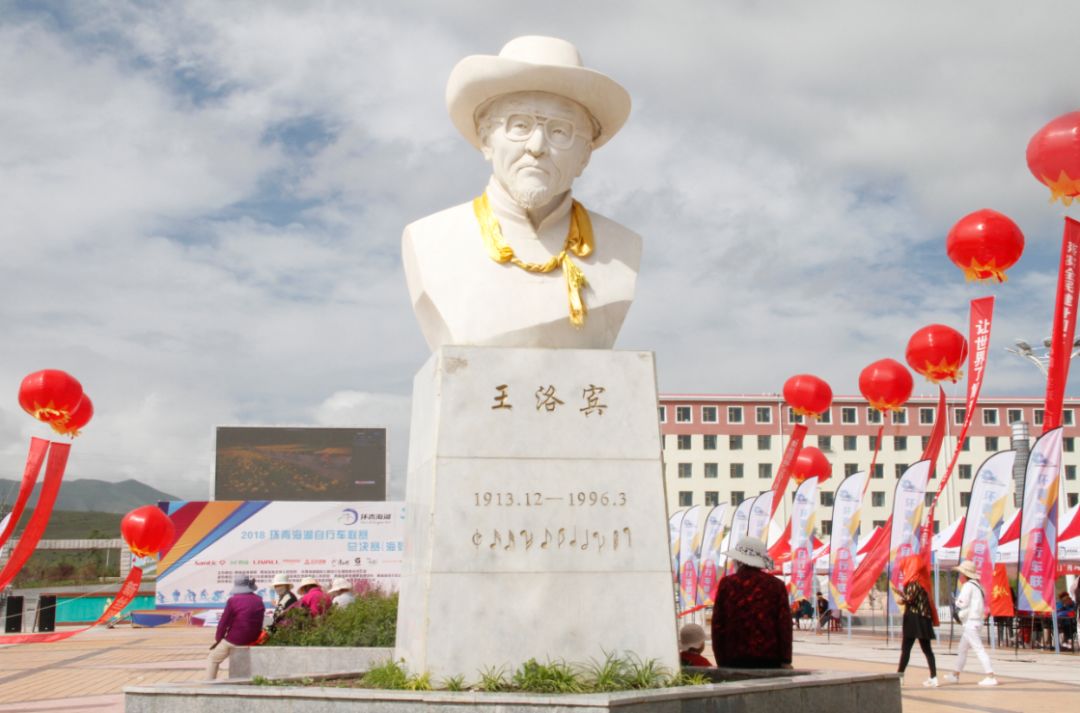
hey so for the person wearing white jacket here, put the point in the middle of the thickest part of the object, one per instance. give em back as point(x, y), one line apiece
point(971, 605)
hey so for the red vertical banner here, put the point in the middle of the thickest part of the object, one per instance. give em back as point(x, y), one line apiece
point(783, 473)
point(1061, 337)
point(54, 474)
point(34, 459)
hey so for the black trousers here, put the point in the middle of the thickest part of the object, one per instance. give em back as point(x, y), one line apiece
point(905, 654)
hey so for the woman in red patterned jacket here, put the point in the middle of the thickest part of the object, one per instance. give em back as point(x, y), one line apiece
point(751, 625)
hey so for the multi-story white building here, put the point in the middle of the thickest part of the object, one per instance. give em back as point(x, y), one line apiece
point(724, 448)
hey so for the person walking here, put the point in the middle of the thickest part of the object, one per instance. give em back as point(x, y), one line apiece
point(751, 624)
point(240, 624)
point(919, 615)
point(971, 606)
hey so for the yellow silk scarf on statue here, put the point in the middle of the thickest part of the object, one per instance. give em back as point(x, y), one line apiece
point(579, 241)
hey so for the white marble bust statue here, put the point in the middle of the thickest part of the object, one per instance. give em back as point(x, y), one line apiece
point(524, 264)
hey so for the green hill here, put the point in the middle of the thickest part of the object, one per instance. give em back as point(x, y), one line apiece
point(89, 495)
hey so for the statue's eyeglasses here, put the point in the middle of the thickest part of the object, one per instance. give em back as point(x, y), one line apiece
point(559, 133)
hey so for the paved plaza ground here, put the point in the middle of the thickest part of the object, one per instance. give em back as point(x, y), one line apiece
point(89, 671)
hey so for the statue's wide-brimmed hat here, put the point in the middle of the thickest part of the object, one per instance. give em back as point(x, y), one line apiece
point(534, 64)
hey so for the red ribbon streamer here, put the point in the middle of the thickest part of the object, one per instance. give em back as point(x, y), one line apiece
point(39, 520)
point(127, 593)
point(1061, 338)
point(783, 473)
point(34, 459)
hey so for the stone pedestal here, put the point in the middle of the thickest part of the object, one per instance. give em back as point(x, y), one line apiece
point(536, 520)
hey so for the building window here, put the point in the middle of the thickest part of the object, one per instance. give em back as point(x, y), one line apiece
point(712, 497)
point(850, 469)
point(736, 470)
point(763, 414)
point(925, 442)
point(764, 470)
point(712, 470)
point(793, 417)
point(877, 498)
point(734, 414)
point(850, 443)
point(873, 415)
point(965, 499)
point(900, 468)
point(686, 498)
point(926, 416)
point(826, 499)
point(824, 443)
point(682, 414)
point(879, 523)
point(966, 445)
point(683, 442)
point(899, 443)
point(764, 443)
point(709, 414)
point(879, 470)
point(825, 416)
point(686, 470)
point(826, 527)
point(1038, 417)
point(734, 443)
point(873, 443)
point(1070, 472)
point(992, 444)
point(990, 416)
point(899, 418)
point(849, 415)
point(958, 415)
point(1014, 415)
point(1068, 444)
point(1067, 417)
point(662, 412)
point(928, 499)
point(963, 471)
point(709, 441)
point(1073, 498)
point(737, 496)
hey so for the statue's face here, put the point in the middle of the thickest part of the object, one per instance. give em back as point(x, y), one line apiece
point(537, 143)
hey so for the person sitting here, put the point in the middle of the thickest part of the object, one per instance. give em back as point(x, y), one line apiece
point(691, 644)
point(804, 610)
point(341, 592)
point(240, 623)
point(286, 599)
point(312, 597)
point(1066, 616)
point(751, 625)
point(822, 610)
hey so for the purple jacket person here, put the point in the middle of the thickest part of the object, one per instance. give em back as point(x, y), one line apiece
point(240, 623)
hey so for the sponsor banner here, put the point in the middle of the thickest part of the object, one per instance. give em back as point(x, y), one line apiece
point(711, 540)
point(740, 522)
point(843, 543)
point(803, 512)
point(216, 541)
point(689, 551)
point(1064, 329)
point(674, 528)
point(757, 525)
point(908, 503)
point(783, 473)
point(1038, 525)
point(986, 511)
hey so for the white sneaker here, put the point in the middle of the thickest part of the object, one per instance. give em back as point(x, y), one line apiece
point(952, 678)
point(931, 682)
point(988, 681)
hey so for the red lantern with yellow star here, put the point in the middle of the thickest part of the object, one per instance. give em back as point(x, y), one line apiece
point(1053, 155)
point(50, 395)
point(77, 420)
point(937, 352)
point(811, 463)
point(147, 530)
point(886, 384)
point(985, 244)
point(807, 395)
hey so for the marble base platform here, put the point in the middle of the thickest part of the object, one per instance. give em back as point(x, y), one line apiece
point(537, 524)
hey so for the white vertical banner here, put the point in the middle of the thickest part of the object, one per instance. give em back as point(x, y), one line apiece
point(908, 504)
point(689, 551)
point(674, 530)
point(843, 542)
point(1038, 526)
point(803, 519)
point(760, 516)
point(709, 568)
point(740, 523)
point(985, 512)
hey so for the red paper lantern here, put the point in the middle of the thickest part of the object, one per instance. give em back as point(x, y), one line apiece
point(937, 352)
point(807, 395)
point(886, 384)
point(1053, 155)
point(78, 418)
point(147, 530)
point(985, 244)
point(811, 463)
point(50, 395)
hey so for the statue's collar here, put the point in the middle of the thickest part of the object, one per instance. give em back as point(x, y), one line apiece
point(506, 208)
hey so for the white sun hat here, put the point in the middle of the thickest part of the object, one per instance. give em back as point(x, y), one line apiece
point(751, 551)
point(534, 64)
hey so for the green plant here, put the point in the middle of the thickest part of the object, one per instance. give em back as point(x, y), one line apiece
point(389, 675)
point(370, 621)
point(493, 679)
point(646, 673)
point(686, 679)
point(607, 675)
point(454, 683)
point(552, 677)
point(419, 682)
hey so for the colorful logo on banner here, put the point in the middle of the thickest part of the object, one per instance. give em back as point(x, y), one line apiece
point(740, 523)
point(803, 513)
point(711, 542)
point(1038, 525)
point(689, 551)
point(674, 529)
point(843, 543)
point(908, 502)
point(986, 510)
point(760, 516)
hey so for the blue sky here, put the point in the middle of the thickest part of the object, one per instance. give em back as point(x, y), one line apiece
point(204, 201)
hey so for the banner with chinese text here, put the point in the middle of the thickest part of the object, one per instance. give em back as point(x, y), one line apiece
point(1038, 525)
point(986, 510)
point(803, 519)
point(760, 516)
point(689, 551)
point(740, 523)
point(711, 542)
point(843, 542)
point(674, 529)
point(907, 512)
